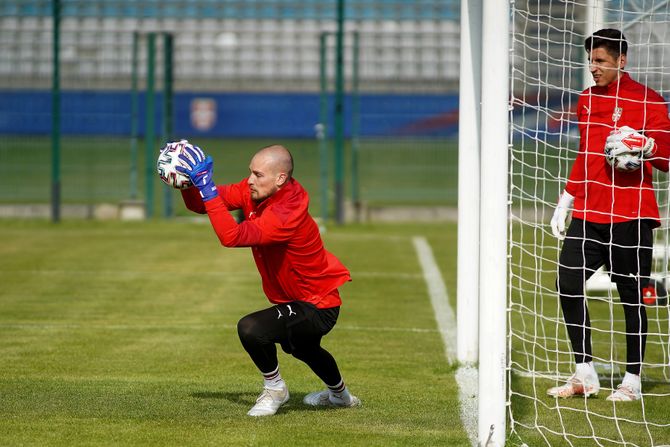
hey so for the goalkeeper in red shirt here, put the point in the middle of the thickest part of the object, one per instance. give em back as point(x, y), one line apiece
point(624, 134)
point(300, 278)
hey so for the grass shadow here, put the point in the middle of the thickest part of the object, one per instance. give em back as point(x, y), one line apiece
point(248, 399)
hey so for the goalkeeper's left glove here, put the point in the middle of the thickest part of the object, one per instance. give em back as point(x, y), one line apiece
point(626, 139)
point(200, 173)
point(561, 215)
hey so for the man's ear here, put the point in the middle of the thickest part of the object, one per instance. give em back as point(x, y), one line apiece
point(622, 61)
point(281, 179)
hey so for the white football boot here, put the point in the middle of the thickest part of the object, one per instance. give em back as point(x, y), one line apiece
point(625, 393)
point(326, 399)
point(269, 402)
point(577, 385)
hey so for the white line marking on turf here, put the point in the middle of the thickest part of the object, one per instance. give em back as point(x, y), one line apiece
point(444, 315)
point(466, 376)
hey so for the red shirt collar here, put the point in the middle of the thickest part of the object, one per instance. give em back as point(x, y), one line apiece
point(613, 87)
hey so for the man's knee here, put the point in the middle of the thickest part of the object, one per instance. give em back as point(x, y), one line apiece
point(247, 329)
point(570, 285)
point(630, 291)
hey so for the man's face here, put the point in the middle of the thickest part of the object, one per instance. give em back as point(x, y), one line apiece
point(604, 67)
point(263, 180)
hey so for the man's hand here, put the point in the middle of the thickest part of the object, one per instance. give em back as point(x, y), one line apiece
point(561, 215)
point(200, 170)
point(626, 140)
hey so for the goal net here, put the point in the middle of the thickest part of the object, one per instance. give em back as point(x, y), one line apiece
point(549, 70)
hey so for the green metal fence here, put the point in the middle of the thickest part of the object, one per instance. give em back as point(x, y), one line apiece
point(146, 50)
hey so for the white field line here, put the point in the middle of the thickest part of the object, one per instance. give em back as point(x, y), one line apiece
point(466, 376)
point(444, 315)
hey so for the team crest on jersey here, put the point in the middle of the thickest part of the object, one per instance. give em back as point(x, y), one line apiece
point(617, 114)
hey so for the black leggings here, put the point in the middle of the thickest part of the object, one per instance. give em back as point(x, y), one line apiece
point(625, 249)
point(298, 328)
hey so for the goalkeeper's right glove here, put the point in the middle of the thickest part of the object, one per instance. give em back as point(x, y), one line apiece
point(200, 173)
point(626, 140)
point(561, 215)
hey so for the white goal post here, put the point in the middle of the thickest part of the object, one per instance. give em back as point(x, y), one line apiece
point(523, 66)
point(483, 155)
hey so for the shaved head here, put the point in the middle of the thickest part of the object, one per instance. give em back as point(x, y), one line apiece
point(270, 169)
point(279, 157)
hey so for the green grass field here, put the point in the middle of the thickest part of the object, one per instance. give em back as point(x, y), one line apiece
point(124, 334)
point(539, 344)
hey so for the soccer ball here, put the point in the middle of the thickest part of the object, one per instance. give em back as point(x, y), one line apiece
point(168, 160)
point(628, 161)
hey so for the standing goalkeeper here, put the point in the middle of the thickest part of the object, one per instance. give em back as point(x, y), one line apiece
point(614, 209)
point(299, 276)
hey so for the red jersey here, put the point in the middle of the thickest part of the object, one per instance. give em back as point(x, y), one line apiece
point(603, 194)
point(284, 239)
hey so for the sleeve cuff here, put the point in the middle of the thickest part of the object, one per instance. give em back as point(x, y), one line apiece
point(214, 203)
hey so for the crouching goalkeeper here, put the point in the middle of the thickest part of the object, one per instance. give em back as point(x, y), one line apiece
point(299, 276)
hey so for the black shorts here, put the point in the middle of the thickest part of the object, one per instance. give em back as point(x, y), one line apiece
point(295, 325)
point(625, 249)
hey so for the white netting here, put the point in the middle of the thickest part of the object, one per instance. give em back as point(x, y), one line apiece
point(548, 69)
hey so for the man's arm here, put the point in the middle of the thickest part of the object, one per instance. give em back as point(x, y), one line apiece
point(192, 200)
point(577, 176)
point(265, 230)
point(231, 195)
point(575, 181)
point(658, 124)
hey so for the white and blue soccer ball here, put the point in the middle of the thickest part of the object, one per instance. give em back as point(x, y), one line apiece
point(626, 162)
point(168, 160)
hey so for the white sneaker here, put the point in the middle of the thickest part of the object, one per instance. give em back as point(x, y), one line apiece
point(587, 386)
point(324, 399)
point(625, 393)
point(269, 402)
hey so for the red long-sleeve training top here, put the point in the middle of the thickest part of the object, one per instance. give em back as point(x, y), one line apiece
point(603, 194)
point(284, 239)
